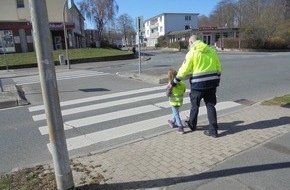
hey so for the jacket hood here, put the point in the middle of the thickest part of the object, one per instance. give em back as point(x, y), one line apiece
point(199, 46)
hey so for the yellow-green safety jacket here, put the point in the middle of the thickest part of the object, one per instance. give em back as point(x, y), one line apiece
point(203, 64)
point(176, 96)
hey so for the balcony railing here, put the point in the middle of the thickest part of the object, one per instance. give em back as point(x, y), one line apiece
point(156, 25)
point(154, 35)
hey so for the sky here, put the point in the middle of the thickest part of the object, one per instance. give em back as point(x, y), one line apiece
point(151, 8)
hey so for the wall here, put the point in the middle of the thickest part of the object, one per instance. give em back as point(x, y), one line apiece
point(177, 22)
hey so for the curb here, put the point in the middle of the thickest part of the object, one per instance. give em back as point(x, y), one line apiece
point(12, 96)
point(161, 79)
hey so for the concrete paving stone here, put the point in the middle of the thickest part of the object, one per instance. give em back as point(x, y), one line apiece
point(175, 170)
point(165, 164)
point(142, 168)
point(161, 174)
point(157, 159)
point(197, 160)
point(145, 162)
point(163, 169)
point(197, 166)
point(167, 159)
point(152, 168)
point(208, 155)
point(150, 174)
point(139, 174)
point(186, 171)
point(175, 163)
point(208, 161)
point(154, 163)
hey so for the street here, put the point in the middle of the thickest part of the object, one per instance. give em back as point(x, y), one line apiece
point(101, 110)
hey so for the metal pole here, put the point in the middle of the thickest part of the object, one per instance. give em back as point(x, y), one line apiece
point(4, 51)
point(65, 34)
point(139, 47)
point(43, 47)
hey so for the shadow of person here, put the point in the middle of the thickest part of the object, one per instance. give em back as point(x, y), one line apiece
point(236, 127)
point(163, 182)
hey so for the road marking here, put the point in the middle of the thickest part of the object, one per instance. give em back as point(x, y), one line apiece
point(102, 105)
point(124, 130)
point(102, 97)
point(59, 76)
point(77, 123)
point(219, 106)
point(111, 104)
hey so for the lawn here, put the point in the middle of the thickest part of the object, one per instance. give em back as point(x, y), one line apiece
point(29, 58)
point(283, 101)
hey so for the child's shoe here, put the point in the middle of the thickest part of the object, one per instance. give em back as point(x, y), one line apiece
point(180, 130)
point(171, 124)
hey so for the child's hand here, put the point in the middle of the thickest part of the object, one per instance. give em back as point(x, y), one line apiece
point(168, 90)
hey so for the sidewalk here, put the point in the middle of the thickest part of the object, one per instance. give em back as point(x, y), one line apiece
point(171, 158)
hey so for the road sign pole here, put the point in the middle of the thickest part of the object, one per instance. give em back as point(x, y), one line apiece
point(139, 27)
point(43, 47)
point(139, 52)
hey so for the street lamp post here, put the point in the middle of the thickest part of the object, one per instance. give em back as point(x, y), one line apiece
point(65, 34)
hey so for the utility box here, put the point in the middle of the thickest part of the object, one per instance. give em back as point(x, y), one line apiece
point(61, 59)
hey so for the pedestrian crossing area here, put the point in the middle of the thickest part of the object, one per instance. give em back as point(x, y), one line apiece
point(115, 115)
point(59, 76)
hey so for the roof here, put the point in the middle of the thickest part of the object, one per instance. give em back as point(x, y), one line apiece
point(170, 14)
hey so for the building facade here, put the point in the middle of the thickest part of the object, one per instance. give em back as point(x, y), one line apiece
point(211, 35)
point(16, 27)
point(165, 23)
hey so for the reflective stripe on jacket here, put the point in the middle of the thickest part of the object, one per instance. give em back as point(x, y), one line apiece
point(176, 96)
point(203, 64)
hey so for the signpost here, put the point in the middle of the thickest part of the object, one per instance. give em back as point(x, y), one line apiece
point(139, 26)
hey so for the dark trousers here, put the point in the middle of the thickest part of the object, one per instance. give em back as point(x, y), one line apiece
point(209, 97)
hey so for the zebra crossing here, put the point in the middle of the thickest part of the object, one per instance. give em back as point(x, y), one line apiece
point(91, 112)
point(59, 76)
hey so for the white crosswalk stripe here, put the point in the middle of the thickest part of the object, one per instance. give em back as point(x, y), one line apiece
point(59, 76)
point(138, 106)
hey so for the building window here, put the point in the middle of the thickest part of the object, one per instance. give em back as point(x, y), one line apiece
point(187, 27)
point(160, 19)
point(154, 30)
point(20, 3)
point(147, 32)
point(161, 29)
point(187, 17)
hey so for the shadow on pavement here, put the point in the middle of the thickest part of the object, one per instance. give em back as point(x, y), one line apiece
point(203, 176)
point(235, 127)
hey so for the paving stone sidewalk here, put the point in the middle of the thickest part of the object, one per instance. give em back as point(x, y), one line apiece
point(171, 158)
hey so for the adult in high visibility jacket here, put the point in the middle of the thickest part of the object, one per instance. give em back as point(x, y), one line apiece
point(203, 65)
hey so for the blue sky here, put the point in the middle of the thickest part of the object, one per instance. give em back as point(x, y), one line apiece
point(151, 8)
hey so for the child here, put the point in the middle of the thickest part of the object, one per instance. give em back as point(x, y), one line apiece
point(175, 95)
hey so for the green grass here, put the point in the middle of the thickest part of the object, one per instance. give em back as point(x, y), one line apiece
point(29, 58)
point(278, 101)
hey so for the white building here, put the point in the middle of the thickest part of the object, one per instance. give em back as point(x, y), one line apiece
point(16, 27)
point(165, 23)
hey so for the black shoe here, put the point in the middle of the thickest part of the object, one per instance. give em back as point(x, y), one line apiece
point(210, 134)
point(187, 125)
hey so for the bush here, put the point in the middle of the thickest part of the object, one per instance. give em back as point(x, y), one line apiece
point(162, 42)
point(276, 43)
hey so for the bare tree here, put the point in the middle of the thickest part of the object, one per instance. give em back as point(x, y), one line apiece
point(224, 14)
point(101, 12)
point(204, 21)
point(126, 26)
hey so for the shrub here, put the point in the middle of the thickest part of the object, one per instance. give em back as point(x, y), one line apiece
point(276, 43)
